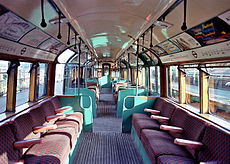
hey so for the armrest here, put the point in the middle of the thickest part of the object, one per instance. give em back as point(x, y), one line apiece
point(61, 110)
point(161, 119)
point(172, 129)
point(152, 111)
point(27, 143)
point(195, 145)
point(41, 129)
point(55, 117)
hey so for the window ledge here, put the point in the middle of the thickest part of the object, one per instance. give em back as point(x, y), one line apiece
point(5, 115)
point(210, 117)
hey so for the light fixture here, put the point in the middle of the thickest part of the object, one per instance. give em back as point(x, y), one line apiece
point(43, 22)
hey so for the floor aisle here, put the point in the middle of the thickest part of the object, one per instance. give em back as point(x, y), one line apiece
point(106, 144)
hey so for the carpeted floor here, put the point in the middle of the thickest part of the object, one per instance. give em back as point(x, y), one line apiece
point(106, 144)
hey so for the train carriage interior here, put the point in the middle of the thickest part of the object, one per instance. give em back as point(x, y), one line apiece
point(115, 81)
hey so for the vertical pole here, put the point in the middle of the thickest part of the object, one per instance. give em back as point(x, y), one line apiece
point(128, 71)
point(79, 66)
point(86, 61)
point(137, 67)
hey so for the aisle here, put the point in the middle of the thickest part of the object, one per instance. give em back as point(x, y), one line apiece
point(106, 144)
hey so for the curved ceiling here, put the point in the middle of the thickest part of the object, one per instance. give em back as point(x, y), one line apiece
point(106, 24)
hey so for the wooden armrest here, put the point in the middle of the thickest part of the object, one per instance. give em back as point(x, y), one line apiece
point(195, 145)
point(61, 110)
point(55, 117)
point(172, 129)
point(27, 143)
point(152, 111)
point(41, 129)
point(161, 119)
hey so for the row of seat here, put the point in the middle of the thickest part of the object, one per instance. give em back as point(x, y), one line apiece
point(41, 134)
point(169, 134)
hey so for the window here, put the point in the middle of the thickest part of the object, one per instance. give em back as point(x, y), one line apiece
point(42, 87)
point(59, 79)
point(192, 87)
point(3, 84)
point(155, 80)
point(23, 83)
point(219, 90)
point(173, 90)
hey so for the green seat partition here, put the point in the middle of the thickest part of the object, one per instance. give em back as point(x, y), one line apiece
point(124, 93)
point(105, 81)
point(83, 104)
point(84, 91)
point(134, 104)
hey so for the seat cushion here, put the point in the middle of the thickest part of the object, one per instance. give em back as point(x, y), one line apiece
point(145, 124)
point(48, 159)
point(69, 123)
point(158, 143)
point(70, 132)
point(78, 116)
point(54, 146)
point(171, 159)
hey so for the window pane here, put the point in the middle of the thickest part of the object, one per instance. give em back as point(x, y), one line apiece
point(23, 83)
point(3, 84)
point(59, 79)
point(192, 87)
point(155, 80)
point(173, 91)
point(219, 91)
point(42, 79)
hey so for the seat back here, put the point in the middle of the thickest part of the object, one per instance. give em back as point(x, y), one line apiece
point(48, 108)
point(193, 129)
point(216, 145)
point(22, 127)
point(37, 115)
point(55, 102)
point(178, 119)
point(7, 151)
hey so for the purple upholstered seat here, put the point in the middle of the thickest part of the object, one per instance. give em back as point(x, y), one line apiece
point(172, 159)
point(158, 143)
point(7, 151)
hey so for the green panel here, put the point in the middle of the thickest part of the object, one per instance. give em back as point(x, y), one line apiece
point(129, 103)
point(140, 103)
point(79, 105)
point(125, 93)
point(105, 81)
point(85, 91)
point(140, 147)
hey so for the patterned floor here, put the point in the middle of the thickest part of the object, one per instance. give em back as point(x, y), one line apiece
point(106, 144)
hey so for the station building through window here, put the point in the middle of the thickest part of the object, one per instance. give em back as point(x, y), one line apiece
point(192, 87)
point(173, 90)
point(219, 89)
point(23, 83)
point(3, 84)
point(42, 80)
